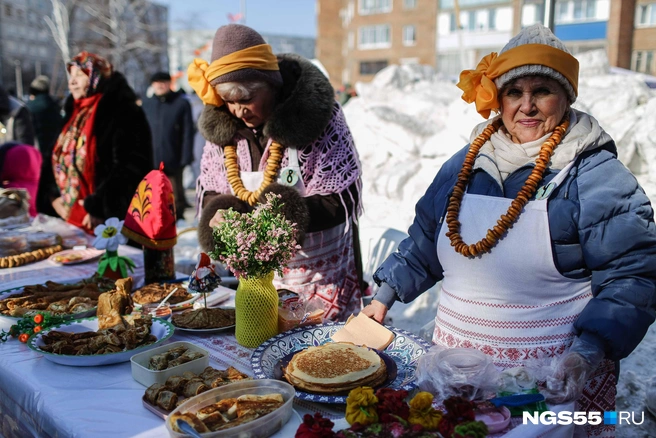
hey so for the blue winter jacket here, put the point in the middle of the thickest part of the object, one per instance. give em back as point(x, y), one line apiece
point(602, 228)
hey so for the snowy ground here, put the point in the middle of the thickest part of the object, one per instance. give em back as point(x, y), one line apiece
point(408, 121)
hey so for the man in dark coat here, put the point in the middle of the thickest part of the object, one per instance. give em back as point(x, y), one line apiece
point(47, 121)
point(15, 120)
point(172, 128)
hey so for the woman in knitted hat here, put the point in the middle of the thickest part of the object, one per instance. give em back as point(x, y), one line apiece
point(272, 125)
point(104, 149)
point(545, 242)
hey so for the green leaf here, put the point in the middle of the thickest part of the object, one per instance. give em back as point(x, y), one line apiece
point(122, 267)
point(113, 263)
point(102, 266)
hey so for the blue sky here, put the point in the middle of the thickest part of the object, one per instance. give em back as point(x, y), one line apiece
point(284, 17)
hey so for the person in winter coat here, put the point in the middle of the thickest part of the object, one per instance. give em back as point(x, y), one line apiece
point(172, 128)
point(47, 121)
point(15, 120)
point(259, 105)
point(545, 242)
point(20, 168)
point(104, 149)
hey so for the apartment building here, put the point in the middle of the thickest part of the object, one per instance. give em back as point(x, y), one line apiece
point(358, 38)
point(643, 50)
point(467, 30)
point(26, 45)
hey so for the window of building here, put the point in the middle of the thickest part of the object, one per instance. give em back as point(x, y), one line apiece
point(8, 11)
point(581, 10)
point(375, 37)
point(409, 35)
point(643, 61)
point(646, 15)
point(452, 22)
point(471, 20)
point(492, 19)
point(368, 7)
point(372, 67)
point(409, 4)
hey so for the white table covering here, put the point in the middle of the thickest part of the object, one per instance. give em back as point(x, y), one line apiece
point(43, 399)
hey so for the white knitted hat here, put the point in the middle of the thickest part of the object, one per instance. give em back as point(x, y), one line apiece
point(536, 34)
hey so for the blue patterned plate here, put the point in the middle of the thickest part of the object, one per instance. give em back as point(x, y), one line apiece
point(405, 350)
point(161, 329)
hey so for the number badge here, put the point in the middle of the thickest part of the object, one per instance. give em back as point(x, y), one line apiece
point(288, 176)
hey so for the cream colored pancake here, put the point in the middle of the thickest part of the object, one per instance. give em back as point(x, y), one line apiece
point(335, 367)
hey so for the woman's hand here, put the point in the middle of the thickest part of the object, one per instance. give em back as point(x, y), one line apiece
point(376, 310)
point(217, 219)
point(62, 210)
point(91, 222)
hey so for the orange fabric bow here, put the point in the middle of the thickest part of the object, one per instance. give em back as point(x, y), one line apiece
point(200, 73)
point(480, 88)
point(478, 85)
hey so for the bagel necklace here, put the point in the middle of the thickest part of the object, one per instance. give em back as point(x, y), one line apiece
point(270, 172)
point(506, 220)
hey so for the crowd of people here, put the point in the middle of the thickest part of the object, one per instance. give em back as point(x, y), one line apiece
point(544, 241)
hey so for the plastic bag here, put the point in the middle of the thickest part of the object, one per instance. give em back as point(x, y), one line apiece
point(70, 234)
point(294, 311)
point(465, 372)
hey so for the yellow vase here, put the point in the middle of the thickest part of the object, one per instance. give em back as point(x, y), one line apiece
point(256, 310)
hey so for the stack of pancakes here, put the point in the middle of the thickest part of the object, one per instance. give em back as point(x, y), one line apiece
point(334, 368)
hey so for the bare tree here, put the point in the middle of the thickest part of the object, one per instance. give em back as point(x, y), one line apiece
point(59, 25)
point(127, 27)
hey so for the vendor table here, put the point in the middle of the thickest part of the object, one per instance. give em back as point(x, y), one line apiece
point(42, 399)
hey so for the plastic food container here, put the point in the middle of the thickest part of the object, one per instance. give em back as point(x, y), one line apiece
point(164, 311)
point(260, 428)
point(145, 376)
point(42, 239)
point(12, 243)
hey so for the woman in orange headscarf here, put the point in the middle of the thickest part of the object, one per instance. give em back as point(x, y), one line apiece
point(544, 241)
point(104, 149)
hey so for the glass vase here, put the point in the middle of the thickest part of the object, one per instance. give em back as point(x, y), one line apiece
point(256, 310)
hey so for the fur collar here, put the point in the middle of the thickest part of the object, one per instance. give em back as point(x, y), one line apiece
point(305, 106)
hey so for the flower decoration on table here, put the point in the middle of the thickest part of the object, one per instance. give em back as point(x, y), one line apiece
point(109, 237)
point(386, 413)
point(257, 243)
point(31, 324)
point(204, 278)
point(254, 246)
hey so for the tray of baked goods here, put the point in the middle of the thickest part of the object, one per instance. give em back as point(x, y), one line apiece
point(324, 362)
point(78, 299)
point(19, 248)
point(246, 408)
point(162, 398)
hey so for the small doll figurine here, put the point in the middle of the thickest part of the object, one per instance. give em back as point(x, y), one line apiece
point(204, 279)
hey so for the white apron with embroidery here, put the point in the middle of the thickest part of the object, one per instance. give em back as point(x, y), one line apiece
point(324, 269)
point(511, 303)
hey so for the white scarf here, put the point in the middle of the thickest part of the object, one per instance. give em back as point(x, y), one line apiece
point(500, 156)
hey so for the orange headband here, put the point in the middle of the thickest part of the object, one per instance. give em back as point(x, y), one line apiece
point(200, 73)
point(478, 85)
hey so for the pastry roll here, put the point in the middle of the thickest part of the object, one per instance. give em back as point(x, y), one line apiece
point(158, 362)
point(153, 391)
point(167, 400)
point(177, 384)
point(190, 419)
point(194, 387)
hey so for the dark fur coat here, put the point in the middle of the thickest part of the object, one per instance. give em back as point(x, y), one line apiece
point(304, 109)
point(123, 146)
